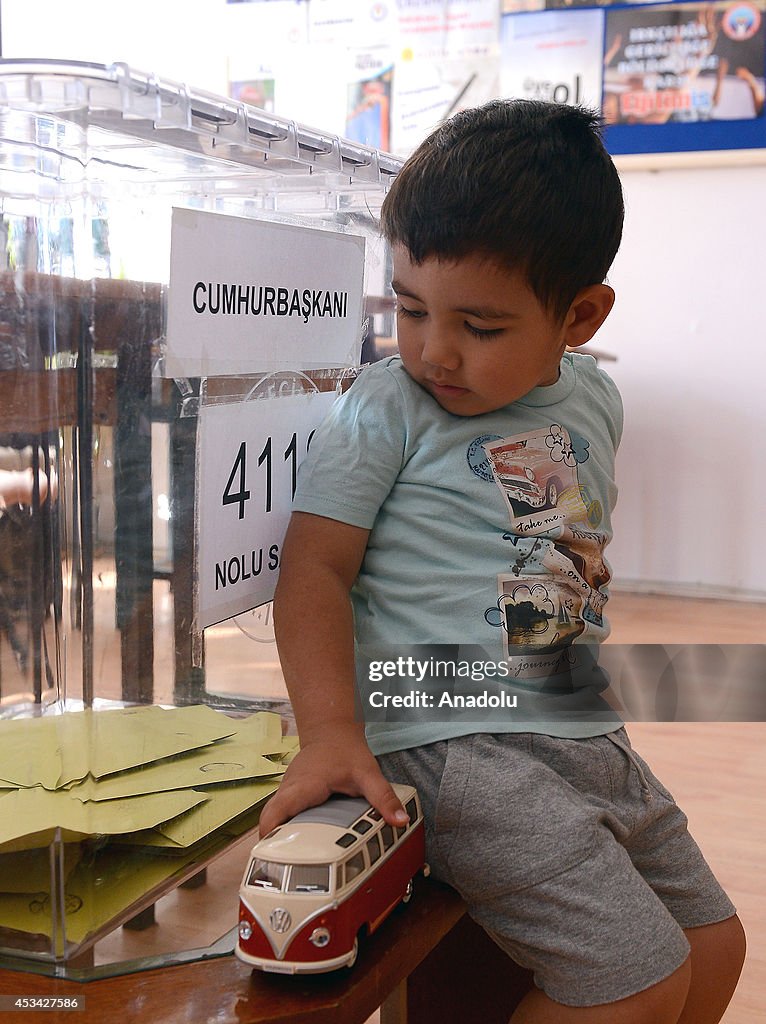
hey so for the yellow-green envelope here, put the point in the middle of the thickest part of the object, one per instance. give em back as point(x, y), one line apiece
point(55, 750)
point(233, 759)
point(136, 797)
point(30, 818)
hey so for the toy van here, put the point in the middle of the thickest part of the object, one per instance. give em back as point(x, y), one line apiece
point(327, 876)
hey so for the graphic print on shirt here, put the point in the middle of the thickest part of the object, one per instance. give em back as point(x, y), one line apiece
point(552, 592)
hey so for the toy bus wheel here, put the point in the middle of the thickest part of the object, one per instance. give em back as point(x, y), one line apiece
point(407, 892)
point(354, 953)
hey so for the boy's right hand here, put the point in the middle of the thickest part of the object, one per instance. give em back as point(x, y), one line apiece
point(338, 761)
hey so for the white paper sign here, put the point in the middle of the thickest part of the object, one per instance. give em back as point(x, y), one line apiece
point(249, 455)
point(554, 56)
point(250, 295)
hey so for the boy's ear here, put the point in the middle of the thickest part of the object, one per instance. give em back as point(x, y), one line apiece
point(590, 308)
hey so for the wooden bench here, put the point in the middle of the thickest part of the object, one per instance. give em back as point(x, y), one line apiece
point(427, 964)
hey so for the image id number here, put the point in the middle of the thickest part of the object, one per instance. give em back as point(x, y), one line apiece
point(42, 1003)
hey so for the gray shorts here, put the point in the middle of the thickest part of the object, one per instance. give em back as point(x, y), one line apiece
point(569, 853)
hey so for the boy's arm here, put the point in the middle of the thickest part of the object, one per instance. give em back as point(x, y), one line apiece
point(315, 635)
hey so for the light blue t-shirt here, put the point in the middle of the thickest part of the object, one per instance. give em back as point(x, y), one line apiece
point(487, 537)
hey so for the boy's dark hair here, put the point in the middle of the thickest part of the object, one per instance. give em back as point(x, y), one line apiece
point(526, 183)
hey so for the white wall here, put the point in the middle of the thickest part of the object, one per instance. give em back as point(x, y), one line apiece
point(688, 331)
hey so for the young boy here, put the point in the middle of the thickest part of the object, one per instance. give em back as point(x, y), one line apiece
point(458, 498)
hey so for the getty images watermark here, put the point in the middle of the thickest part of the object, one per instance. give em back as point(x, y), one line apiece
point(459, 682)
point(574, 684)
point(417, 671)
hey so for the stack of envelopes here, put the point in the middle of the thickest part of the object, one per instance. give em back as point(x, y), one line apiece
point(135, 795)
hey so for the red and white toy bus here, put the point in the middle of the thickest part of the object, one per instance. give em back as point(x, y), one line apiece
point(316, 883)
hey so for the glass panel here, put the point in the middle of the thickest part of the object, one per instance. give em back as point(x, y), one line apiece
point(98, 539)
point(267, 874)
point(309, 878)
point(353, 868)
point(373, 846)
point(387, 835)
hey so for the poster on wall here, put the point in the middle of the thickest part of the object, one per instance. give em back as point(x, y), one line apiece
point(684, 63)
point(360, 23)
point(280, 22)
point(253, 69)
point(428, 91)
point(472, 27)
point(553, 55)
point(559, 4)
point(368, 96)
point(254, 84)
point(516, 6)
point(446, 28)
point(421, 28)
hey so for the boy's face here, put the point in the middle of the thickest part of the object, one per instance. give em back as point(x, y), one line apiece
point(472, 333)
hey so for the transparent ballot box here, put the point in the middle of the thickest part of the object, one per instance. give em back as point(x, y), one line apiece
point(186, 285)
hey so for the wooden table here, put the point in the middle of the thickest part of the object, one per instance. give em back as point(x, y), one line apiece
point(428, 964)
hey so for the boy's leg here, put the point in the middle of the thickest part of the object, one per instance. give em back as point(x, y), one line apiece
point(660, 1004)
point(718, 953)
point(697, 993)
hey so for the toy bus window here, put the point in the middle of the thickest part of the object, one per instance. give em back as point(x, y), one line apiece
point(345, 840)
point(353, 867)
point(387, 837)
point(362, 826)
point(267, 874)
point(400, 831)
point(375, 815)
point(373, 847)
point(412, 810)
point(309, 878)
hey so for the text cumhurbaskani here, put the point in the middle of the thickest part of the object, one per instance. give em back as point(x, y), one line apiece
point(264, 300)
